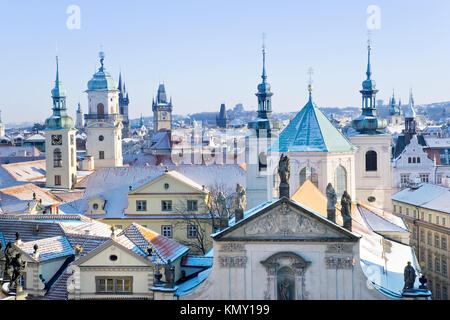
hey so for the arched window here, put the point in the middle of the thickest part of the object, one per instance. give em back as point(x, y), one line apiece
point(57, 158)
point(262, 161)
point(340, 181)
point(309, 173)
point(371, 161)
point(100, 109)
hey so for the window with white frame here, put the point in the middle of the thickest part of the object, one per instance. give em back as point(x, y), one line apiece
point(166, 205)
point(114, 285)
point(191, 231)
point(404, 178)
point(192, 205)
point(141, 205)
point(424, 177)
point(166, 231)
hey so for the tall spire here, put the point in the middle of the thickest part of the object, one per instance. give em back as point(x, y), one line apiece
point(366, 123)
point(264, 75)
point(369, 68)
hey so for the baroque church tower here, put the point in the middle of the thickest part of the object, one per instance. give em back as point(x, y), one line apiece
point(104, 122)
point(259, 181)
point(373, 166)
point(79, 124)
point(60, 145)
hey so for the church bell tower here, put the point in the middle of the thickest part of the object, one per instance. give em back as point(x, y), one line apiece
point(60, 145)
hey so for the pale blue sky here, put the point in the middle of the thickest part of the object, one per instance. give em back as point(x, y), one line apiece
point(209, 52)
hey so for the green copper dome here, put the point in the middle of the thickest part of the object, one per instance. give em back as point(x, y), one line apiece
point(102, 80)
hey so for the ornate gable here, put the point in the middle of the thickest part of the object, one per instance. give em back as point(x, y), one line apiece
point(285, 220)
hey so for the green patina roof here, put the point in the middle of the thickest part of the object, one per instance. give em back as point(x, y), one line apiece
point(311, 131)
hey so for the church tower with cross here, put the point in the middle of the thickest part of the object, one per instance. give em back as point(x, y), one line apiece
point(373, 165)
point(104, 121)
point(60, 145)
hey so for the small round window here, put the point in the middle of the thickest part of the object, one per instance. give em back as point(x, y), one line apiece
point(95, 206)
point(101, 138)
point(113, 257)
point(166, 186)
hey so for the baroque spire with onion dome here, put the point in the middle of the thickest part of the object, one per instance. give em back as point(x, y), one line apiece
point(102, 79)
point(59, 118)
point(264, 119)
point(368, 122)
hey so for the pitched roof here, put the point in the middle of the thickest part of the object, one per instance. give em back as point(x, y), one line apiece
point(15, 199)
point(48, 248)
point(165, 248)
point(28, 230)
point(425, 195)
point(26, 171)
point(311, 131)
point(377, 223)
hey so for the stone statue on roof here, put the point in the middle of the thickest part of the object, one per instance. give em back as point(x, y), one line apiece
point(19, 267)
point(409, 276)
point(346, 209)
point(284, 169)
point(241, 198)
point(331, 197)
point(222, 205)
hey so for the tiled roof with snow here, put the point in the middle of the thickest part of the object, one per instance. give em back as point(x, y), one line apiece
point(26, 171)
point(377, 223)
point(425, 195)
point(48, 248)
point(15, 199)
point(144, 238)
point(197, 261)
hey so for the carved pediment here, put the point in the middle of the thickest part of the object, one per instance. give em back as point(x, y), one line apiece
point(285, 221)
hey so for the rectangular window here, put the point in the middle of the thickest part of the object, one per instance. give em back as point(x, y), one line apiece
point(166, 205)
point(437, 265)
point(191, 231)
point(436, 241)
point(57, 180)
point(399, 209)
point(430, 262)
point(445, 292)
point(424, 177)
point(114, 285)
point(444, 266)
point(166, 231)
point(444, 242)
point(72, 139)
point(437, 219)
point(192, 205)
point(407, 211)
point(429, 218)
point(443, 221)
point(404, 178)
point(395, 208)
point(439, 179)
point(429, 241)
point(438, 291)
point(414, 234)
point(414, 213)
point(101, 155)
point(141, 205)
point(422, 215)
point(422, 236)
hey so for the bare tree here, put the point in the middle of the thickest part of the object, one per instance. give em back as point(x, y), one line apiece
point(207, 215)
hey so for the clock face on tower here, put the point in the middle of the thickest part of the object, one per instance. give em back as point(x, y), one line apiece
point(56, 139)
point(164, 115)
